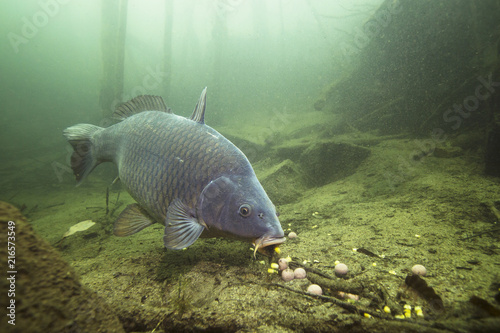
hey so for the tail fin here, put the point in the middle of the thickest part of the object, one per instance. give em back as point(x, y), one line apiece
point(83, 159)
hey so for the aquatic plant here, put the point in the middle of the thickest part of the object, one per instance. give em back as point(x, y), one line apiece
point(180, 304)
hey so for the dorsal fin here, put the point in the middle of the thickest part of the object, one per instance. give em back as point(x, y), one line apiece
point(139, 104)
point(199, 110)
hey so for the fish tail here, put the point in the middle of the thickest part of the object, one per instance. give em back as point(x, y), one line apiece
point(83, 159)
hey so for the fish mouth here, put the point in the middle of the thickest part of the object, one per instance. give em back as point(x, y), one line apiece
point(266, 241)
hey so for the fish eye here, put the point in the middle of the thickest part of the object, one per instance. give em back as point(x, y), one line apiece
point(245, 210)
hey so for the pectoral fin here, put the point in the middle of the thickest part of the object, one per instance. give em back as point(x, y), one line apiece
point(181, 227)
point(131, 220)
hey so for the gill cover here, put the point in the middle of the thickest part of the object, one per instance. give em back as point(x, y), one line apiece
point(238, 207)
point(212, 200)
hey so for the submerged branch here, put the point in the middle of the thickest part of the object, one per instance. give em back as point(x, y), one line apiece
point(345, 305)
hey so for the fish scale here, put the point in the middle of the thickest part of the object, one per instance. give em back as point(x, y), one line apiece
point(181, 172)
point(198, 166)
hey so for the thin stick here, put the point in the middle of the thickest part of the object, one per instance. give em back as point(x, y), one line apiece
point(117, 197)
point(107, 200)
point(348, 306)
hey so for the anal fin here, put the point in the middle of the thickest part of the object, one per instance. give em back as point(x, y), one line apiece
point(131, 220)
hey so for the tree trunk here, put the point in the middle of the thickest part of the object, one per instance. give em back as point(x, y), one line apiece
point(113, 32)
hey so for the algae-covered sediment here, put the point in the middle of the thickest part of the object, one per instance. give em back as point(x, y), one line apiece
point(437, 213)
point(374, 127)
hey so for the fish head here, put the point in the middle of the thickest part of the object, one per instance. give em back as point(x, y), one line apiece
point(238, 207)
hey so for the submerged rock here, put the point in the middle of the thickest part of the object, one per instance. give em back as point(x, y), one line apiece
point(48, 295)
point(325, 162)
point(284, 182)
point(308, 165)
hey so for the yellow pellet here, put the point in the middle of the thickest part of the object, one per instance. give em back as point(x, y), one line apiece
point(418, 311)
point(367, 315)
point(407, 313)
point(271, 271)
point(387, 309)
point(399, 316)
point(277, 250)
point(275, 265)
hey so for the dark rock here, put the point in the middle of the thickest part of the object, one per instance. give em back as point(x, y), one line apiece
point(492, 155)
point(284, 183)
point(326, 162)
point(48, 295)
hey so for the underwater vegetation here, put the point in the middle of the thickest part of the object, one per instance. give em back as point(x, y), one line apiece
point(367, 130)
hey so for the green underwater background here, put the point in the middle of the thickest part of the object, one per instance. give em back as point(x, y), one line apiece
point(373, 126)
